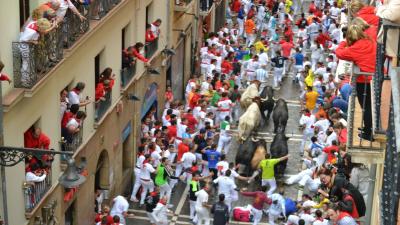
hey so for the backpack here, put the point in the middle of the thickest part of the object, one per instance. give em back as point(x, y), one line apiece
point(241, 214)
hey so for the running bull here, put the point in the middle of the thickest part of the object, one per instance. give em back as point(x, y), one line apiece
point(280, 116)
point(279, 148)
point(267, 102)
point(250, 120)
point(248, 95)
point(250, 154)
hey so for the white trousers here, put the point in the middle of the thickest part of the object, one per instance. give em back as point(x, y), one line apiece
point(137, 183)
point(241, 26)
point(224, 143)
point(271, 183)
point(277, 76)
point(222, 115)
point(257, 215)
point(192, 205)
point(273, 215)
point(250, 39)
point(165, 190)
point(307, 134)
point(203, 216)
point(147, 186)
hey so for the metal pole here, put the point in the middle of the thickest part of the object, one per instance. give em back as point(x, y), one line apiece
point(3, 171)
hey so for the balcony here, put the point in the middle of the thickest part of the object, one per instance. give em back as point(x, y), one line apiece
point(32, 61)
point(103, 106)
point(150, 48)
point(206, 7)
point(127, 74)
point(35, 191)
point(362, 150)
point(71, 142)
point(183, 5)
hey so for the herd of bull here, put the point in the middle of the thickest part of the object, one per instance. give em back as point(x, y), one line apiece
point(252, 150)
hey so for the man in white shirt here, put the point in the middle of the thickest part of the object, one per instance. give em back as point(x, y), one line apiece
point(263, 57)
point(262, 76)
point(226, 186)
point(202, 206)
point(307, 121)
point(187, 160)
point(120, 208)
point(62, 10)
point(252, 65)
point(277, 208)
point(35, 175)
point(145, 178)
point(138, 167)
point(222, 165)
point(323, 123)
point(155, 27)
point(224, 107)
point(331, 136)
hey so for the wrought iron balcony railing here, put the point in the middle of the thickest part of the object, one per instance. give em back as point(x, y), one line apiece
point(150, 48)
point(31, 61)
point(35, 191)
point(103, 106)
point(127, 74)
point(205, 6)
point(71, 142)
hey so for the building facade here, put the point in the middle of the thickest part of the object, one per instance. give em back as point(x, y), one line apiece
point(79, 51)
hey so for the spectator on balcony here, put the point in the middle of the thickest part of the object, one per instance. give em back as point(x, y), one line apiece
point(73, 126)
point(29, 37)
point(155, 28)
point(127, 59)
point(4, 76)
point(36, 174)
point(71, 113)
point(108, 75)
point(169, 97)
point(101, 88)
point(149, 34)
point(64, 103)
point(64, 6)
point(360, 49)
point(74, 95)
point(359, 9)
point(390, 11)
point(35, 138)
point(135, 51)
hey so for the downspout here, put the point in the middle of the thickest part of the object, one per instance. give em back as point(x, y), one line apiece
point(168, 5)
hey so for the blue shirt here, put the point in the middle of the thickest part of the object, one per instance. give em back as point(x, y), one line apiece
point(345, 91)
point(241, 53)
point(299, 59)
point(340, 103)
point(213, 158)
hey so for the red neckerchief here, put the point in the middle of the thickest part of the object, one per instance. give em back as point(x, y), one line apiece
point(76, 91)
point(342, 215)
point(33, 26)
point(145, 162)
point(307, 114)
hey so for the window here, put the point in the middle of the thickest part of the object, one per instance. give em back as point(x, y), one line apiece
point(97, 68)
point(23, 11)
point(149, 13)
point(69, 215)
point(123, 33)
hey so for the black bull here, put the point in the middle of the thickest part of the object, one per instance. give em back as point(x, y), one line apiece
point(267, 102)
point(280, 116)
point(279, 148)
point(246, 153)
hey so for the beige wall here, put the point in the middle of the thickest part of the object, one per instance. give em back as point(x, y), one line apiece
point(44, 104)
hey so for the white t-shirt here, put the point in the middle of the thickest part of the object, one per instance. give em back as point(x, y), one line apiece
point(319, 222)
point(155, 155)
point(31, 177)
point(29, 33)
point(308, 121)
point(64, 5)
point(120, 206)
point(146, 170)
point(323, 124)
point(73, 98)
point(202, 197)
point(187, 159)
point(330, 138)
point(225, 185)
point(139, 161)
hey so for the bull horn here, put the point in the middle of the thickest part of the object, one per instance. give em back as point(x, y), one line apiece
point(263, 99)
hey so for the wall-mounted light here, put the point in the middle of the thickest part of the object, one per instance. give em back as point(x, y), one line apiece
point(132, 97)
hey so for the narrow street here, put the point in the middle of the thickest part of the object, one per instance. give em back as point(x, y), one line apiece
point(290, 93)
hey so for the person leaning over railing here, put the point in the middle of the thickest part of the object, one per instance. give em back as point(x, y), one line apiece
point(62, 10)
point(4, 76)
point(390, 11)
point(30, 35)
point(360, 49)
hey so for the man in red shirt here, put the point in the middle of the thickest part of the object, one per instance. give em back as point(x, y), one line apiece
point(192, 122)
point(323, 39)
point(172, 130)
point(236, 6)
point(258, 203)
point(183, 147)
point(330, 151)
point(286, 47)
point(34, 138)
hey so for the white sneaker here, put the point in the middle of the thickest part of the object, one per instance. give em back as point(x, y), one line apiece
point(134, 199)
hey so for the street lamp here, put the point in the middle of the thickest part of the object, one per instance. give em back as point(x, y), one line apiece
point(11, 156)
